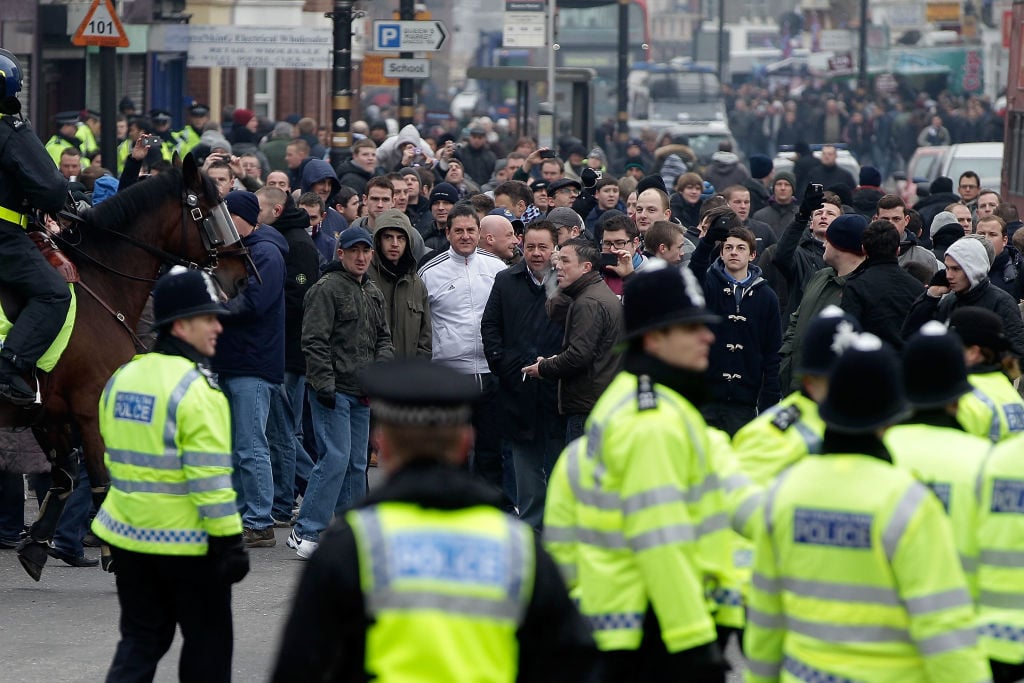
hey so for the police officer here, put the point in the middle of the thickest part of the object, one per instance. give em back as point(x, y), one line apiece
point(856, 574)
point(932, 445)
point(647, 508)
point(189, 136)
point(792, 429)
point(993, 409)
point(29, 179)
point(86, 132)
point(66, 136)
point(170, 516)
point(427, 579)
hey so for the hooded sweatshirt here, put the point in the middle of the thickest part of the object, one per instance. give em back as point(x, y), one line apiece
point(252, 344)
point(315, 171)
point(725, 170)
point(405, 297)
point(302, 269)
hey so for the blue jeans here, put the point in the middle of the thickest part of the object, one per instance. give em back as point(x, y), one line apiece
point(534, 460)
point(12, 507)
point(338, 480)
point(281, 440)
point(295, 388)
point(249, 399)
point(574, 427)
point(74, 520)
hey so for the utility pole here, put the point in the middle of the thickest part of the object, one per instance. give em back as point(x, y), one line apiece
point(623, 89)
point(406, 89)
point(341, 82)
point(108, 106)
point(862, 56)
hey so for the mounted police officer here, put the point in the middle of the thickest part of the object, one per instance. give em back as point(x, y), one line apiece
point(28, 180)
point(427, 579)
point(170, 516)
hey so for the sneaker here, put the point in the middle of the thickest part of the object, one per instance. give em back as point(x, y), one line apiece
point(259, 538)
point(302, 547)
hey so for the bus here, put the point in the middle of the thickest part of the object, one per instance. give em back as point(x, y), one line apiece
point(588, 36)
point(1012, 186)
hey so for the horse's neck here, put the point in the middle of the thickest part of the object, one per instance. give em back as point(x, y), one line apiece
point(122, 275)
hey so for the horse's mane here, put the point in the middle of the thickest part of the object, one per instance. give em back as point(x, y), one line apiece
point(125, 207)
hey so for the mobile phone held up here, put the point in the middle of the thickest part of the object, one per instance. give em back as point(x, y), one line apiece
point(547, 154)
point(609, 260)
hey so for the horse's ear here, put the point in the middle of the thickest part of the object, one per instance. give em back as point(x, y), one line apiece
point(190, 172)
point(176, 160)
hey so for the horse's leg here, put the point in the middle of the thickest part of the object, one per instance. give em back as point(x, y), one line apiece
point(63, 474)
point(92, 446)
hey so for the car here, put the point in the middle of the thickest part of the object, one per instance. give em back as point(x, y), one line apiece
point(950, 161)
point(784, 159)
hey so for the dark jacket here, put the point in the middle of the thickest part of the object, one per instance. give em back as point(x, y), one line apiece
point(763, 235)
point(743, 366)
point(982, 294)
point(798, 256)
point(803, 167)
point(777, 216)
point(408, 311)
point(252, 344)
point(685, 213)
point(758, 194)
point(316, 171)
point(27, 172)
point(344, 330)
point(879, 293)
point(934, 204)
point(587, 363)
point(477, 163)
point(1007, 272)
point(329, 617)
point(516, 330)
point(302, 269)
point(823, 289)
point(354, 176)
point(434, 238)
point(830, 176)
point(725, 170)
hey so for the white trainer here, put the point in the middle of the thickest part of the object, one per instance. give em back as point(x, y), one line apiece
point(303, 548)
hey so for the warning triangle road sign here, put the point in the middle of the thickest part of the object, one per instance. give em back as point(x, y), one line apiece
point(101, 27)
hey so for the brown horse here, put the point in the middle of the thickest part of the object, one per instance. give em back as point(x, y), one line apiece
point(169, 219)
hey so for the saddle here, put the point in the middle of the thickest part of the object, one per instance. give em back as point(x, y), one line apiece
point(54, 256)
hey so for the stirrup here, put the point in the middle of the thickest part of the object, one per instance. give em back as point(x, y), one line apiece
point(15, 396)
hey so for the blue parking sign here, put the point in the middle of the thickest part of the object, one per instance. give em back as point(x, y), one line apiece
point(389, 36)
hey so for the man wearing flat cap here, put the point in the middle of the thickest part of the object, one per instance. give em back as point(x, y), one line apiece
point(427, 579)
point(651, 522)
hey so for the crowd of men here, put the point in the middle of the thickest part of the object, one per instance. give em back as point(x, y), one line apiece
point(654, 352)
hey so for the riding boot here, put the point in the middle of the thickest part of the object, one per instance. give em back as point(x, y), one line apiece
point(13, 387)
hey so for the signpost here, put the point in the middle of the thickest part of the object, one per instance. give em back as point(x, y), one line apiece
point(406, 68)
point(102, 27)
point(408, 36)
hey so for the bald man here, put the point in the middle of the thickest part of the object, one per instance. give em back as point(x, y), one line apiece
point(498, 237)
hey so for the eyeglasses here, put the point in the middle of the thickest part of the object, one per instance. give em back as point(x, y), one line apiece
point(617, 244)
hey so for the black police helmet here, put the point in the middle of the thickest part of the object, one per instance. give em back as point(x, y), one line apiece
point(825, 338)
point(934, 373)
point(661, 295)
point(183, 293)
point(865, 390)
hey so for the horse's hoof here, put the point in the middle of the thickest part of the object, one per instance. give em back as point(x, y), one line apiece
point(32, 555)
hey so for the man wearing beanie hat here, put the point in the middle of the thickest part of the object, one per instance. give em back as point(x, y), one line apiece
point(824, 287)
point(939, 197)
point(853, 550)
point(443, 198)
point(791, 429)
point(249, 378)
point(166, 425)
point(865, 196)
point(932, 444)
point(760, 181)
point(879, 293)
point(965, 283)
point(782, 207)
point(993, 409)
point(646, 441)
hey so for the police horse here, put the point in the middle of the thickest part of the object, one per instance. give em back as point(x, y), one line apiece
point(118, 248)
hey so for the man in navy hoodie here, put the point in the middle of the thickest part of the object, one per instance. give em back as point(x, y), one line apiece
point(250, 365)
point(318, 177)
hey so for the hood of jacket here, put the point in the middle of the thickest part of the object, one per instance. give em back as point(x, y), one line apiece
point(724, 160)
point(263, 235)
point(406, 263)
point(754, 278)
point(292, 218)
point(316, 171)
point(351, 167)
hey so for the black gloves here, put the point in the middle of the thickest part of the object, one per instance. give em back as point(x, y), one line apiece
point(811, 203)
point(589, 178)
point(230, 558)
point(939, 279)
point(718, 231)
point(327, 398)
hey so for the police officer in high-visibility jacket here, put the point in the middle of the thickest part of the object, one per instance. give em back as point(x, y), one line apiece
point(1001, 555)
point(650, 521)
point(428, 580)
point(170, 516)
point(993, 409)
point(932, 445)
point(856, 574)
point(791, 429)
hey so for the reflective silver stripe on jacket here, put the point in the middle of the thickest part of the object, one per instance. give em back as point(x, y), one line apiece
point(514, 572)
point(198, 459)
point(1013, 559)
point(901, 517)
point(763, 669)
point(947, 642)
point(848, 633)
point(993, 427)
